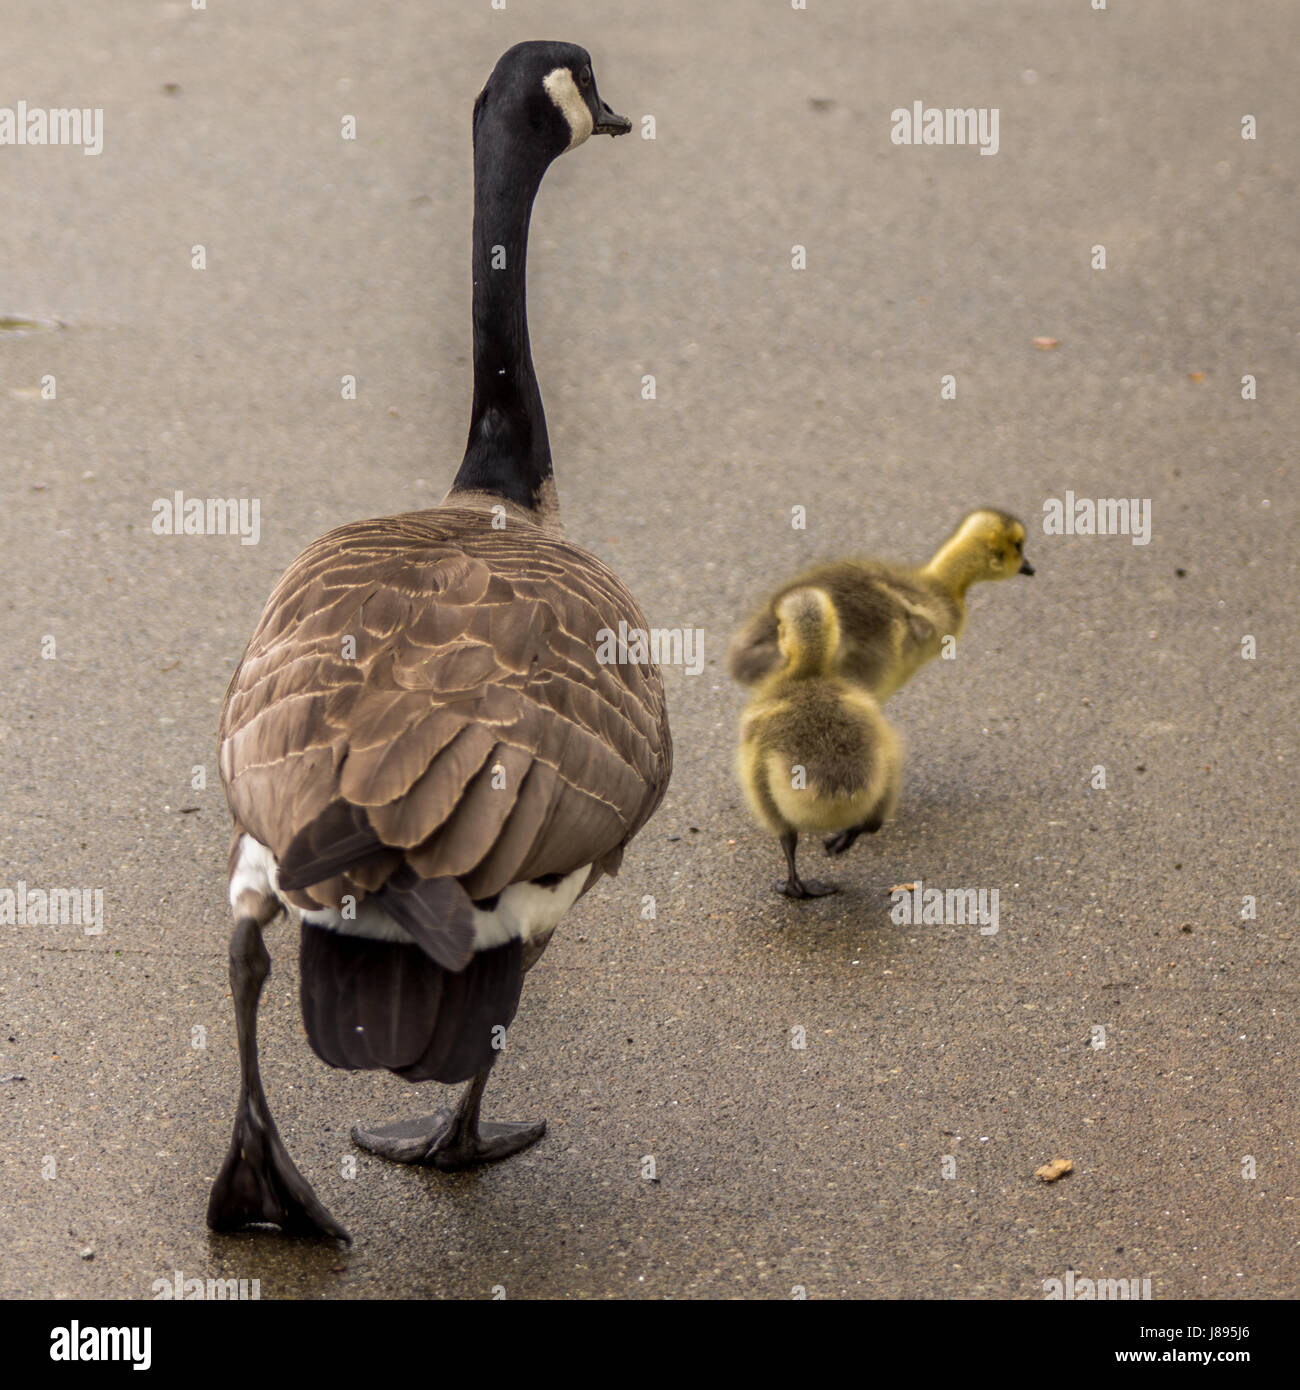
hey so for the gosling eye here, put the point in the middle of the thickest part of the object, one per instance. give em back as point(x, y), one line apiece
point(584, 77)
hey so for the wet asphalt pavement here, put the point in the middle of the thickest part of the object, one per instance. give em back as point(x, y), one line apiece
point(893, 1155)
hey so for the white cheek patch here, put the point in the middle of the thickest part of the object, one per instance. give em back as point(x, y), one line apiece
point(563, 91)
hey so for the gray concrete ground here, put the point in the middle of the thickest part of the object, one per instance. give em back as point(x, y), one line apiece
point(1121, 908)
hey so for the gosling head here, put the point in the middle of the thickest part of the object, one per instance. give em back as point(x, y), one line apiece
point(544, 94)
point(991, 544)
point(808, 632)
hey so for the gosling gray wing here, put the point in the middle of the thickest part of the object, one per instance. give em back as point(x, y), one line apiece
point(889, 621)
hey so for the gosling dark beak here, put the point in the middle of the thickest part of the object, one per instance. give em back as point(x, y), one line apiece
point(1026, 567)
point(609, 122)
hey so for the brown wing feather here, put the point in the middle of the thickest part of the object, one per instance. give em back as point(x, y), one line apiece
point(483, 808)
point(398, 662)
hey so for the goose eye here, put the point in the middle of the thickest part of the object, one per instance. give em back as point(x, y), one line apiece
point(584, 77)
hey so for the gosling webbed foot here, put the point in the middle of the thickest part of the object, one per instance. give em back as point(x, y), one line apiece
point(443, 1141)
point(805, 888)
point(846, 839)
point(259, 1185)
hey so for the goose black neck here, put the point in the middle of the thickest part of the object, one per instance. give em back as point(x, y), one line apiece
point(508, 453)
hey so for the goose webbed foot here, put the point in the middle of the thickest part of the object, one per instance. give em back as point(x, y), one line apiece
point(258, 1183)
point(450, 1140)
point(793, 886)
point(436, 1141)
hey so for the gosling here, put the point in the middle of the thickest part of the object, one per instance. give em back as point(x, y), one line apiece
point(893, 619)
point(815, 751)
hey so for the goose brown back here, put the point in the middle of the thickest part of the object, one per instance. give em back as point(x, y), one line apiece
point(471, 659)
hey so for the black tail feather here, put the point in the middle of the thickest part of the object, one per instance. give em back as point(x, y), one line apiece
point(369, 1004)
point(479, 1000)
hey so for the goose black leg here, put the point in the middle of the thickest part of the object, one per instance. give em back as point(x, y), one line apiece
point(837, 844)
point(258, 1183)
point(450, 1140)
point(794, 886)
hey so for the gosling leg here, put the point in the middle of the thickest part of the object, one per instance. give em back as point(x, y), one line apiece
point(794, 886)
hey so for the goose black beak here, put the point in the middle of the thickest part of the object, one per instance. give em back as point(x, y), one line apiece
point(609, 122)
point(1026, 567)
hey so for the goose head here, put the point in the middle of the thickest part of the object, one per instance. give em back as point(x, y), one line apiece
point(543, 95)
point(988, 544)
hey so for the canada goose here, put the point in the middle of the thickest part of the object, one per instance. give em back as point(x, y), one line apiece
point(425, 761)
point(815, 751)
point(894, 620)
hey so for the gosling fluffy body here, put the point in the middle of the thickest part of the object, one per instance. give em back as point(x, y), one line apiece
point(816, 753)
point(892, 619)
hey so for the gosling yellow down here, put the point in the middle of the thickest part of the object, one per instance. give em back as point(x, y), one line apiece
point(815, 753)
point(892, 619)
